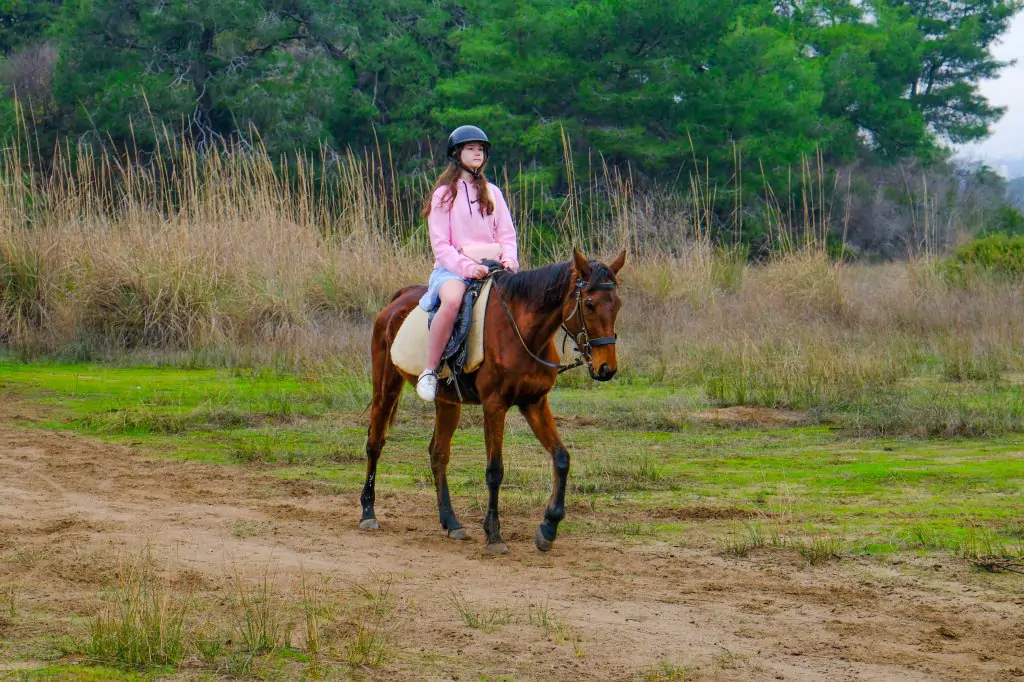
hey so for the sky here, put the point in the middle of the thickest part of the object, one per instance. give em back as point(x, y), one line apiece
point(1007, 140)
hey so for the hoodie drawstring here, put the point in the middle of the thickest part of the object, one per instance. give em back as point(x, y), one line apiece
point(468, 202)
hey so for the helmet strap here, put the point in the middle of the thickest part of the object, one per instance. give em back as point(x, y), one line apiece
point(456, 158)
point(474, 173)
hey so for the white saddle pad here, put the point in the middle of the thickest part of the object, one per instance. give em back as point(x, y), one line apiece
point(409, 351)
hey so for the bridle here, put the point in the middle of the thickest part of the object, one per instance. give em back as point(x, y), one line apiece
point(584, 344)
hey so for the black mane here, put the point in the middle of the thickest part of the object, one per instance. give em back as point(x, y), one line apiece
point(548, 285)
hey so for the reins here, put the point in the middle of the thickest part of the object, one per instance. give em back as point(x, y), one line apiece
point(584, 344)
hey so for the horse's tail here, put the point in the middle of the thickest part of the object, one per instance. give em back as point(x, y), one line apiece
point(400, 292)
point(392, 418)
point(380, 369)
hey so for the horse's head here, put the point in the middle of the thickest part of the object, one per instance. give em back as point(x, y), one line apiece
point(591, 311)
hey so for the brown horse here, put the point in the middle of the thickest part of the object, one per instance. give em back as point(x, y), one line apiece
point(524, 313)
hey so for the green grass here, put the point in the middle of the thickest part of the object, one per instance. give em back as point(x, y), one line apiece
point(643, 466)
point(77, 673)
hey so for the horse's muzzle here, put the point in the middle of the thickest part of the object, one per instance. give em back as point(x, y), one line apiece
point(604, 373)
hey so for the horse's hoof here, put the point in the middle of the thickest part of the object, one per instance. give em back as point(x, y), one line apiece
point(459, 534)
point(543, 544)
point(497, 548)
point(369, 524)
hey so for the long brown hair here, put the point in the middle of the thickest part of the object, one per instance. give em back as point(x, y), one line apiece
point(450, 179)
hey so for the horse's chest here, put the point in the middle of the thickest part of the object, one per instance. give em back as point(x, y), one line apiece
point(531, 390)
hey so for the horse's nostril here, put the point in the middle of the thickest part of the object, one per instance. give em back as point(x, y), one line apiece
point(604, 371)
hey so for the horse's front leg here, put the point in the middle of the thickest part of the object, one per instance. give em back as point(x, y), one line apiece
point(494, 435)
point(440, 454)
point(540, 419)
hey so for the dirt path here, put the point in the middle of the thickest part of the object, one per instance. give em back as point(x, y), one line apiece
point(68, 504)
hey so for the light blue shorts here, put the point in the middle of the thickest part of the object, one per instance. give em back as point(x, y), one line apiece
point(432, 299)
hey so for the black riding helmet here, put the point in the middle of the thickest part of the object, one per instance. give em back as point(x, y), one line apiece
point(464, 135)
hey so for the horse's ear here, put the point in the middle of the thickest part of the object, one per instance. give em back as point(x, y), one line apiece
point(619, 261)
point(582, 264)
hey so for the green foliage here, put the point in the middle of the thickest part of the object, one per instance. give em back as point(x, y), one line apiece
point(299, 74)
point(877, 52)
point(999, 255)
point(706, 84)
point(954, 40)
point(24, 21)
point(713, 89)
point(866, 69)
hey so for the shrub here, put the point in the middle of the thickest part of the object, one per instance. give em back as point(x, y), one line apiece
point(1001, 255)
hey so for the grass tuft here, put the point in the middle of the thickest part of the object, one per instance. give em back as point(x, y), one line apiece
point(261, 618)
point(983, 548)
point(370, 631)
point(664, 671)
point(486, 618)
point(142, 624)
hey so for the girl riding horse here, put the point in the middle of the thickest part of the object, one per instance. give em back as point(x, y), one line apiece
point(523, 315)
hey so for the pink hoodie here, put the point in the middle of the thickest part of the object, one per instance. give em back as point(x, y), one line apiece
point(453, 227)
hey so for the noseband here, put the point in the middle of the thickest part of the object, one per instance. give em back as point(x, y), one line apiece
point(584, 344)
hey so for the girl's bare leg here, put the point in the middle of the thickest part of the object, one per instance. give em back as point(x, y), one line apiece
point(444, 320)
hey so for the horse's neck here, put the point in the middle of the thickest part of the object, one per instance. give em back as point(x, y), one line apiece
point(539, 323)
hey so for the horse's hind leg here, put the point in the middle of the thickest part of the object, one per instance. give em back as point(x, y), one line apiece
point(538, 416)
point(440, 453)
point(387, 387)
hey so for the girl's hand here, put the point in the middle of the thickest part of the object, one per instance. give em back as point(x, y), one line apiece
point(508, 265)
point(478, 271)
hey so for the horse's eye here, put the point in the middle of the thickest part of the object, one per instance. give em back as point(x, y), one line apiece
point(589, 304)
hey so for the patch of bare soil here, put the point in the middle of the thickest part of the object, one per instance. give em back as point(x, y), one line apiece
point(750, 416)
point(69, 505)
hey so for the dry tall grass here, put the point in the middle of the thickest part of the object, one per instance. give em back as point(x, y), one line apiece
point(221, 251)
point(226, 254)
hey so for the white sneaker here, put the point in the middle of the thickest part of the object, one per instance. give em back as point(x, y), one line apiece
point(426, 385)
